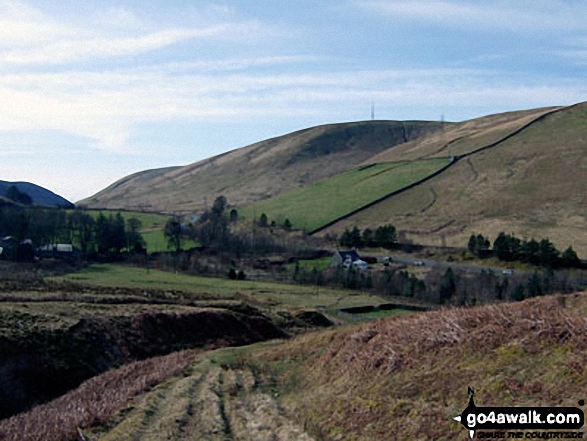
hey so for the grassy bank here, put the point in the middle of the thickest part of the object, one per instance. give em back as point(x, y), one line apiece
point(266, 292)
point(314, 205)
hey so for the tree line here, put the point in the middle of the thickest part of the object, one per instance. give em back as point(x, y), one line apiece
point(509, 248)
point(100, 238)
point(219, 231)
point(384, 236)
point(440, 287)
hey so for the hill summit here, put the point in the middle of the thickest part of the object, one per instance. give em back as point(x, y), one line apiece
point(38, 195)
point(261, 170)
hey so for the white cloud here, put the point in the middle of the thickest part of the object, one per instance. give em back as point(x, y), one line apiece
point(106, 108)
point(22, 25)
point(98, 48)
point(521, 15)
point(30, 37)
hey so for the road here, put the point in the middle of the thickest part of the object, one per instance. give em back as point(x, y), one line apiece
point(461, 266)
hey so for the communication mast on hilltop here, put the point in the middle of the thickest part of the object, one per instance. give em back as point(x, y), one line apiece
point(372, 110)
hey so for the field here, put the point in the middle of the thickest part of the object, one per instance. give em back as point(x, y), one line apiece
point(404, 375)
point(152, 228)
point(531, 185)
point(382, 313)
point(266, 168)
point(320, 264)
point(260, 292)
point(315, 205)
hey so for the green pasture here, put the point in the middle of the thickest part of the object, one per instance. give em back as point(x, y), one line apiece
point(152, 226)
point(315, 205)
point(320, 264)
point(278, 293)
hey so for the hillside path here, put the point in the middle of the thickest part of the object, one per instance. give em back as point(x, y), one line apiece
point(215, 403)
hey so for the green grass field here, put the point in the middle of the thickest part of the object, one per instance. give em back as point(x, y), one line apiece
point(152, 225)
point(284, 294)
point(309, 264)
point(381, 313)
point(314, 205)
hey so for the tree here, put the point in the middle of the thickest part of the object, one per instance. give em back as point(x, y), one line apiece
point(82, 227)
point(219, 206)
point(134, 239)
point(530, 252)
point(212, 228)
point(356, 238)
point(173, 233)
point(448, 287)
point(534, 286)
point(368, 237)
point(110, 235)
point(287, 225)
point(548, 254)
point(118, 233)
point(507, 247)
point(263, 220)
point(569, 258)
point(233, 215)
point(386, 236)
point(472, 245)
point(102, 234)
point(345, 239)
point(481, 244)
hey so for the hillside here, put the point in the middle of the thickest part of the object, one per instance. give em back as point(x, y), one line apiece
point(40, 196)
point(531, 184)
point(463, 137)
point(397, 378)
point(314, 206)
point(519, 172)
point(261, 170)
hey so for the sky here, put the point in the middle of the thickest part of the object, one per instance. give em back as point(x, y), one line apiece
point(93, 91)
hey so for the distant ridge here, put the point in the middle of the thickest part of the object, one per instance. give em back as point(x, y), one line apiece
point(40, 195)
point(261, 170)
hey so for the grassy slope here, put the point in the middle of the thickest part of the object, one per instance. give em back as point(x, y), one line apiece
point(406, 377)
point(532, 185)
point(283, 294)
point(461, 138)
point(260, 170)
point(317, 204)
point(100, 398)
point(402, 377)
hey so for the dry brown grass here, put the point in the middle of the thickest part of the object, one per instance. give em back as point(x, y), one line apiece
point(531, 185)
point(406, 377)
point(460, 138)
point(261, 170)
point(94, 401)
point(387, 345)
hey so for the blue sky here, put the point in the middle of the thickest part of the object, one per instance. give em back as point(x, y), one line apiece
point(93, 91)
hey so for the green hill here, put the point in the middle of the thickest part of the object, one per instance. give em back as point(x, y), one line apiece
point(313, 206)
point(261, 170)
point(531, 184)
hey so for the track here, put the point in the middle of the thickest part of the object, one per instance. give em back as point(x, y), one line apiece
point(212, 402)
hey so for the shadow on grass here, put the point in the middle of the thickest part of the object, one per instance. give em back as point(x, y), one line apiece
point(96, 269)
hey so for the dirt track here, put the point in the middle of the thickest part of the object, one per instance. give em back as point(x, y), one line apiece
point(212, 402)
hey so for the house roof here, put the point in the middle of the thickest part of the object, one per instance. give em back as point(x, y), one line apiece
point(352, 255)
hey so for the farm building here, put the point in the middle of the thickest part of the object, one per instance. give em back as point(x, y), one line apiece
point(347, 258)
point(59, 250)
